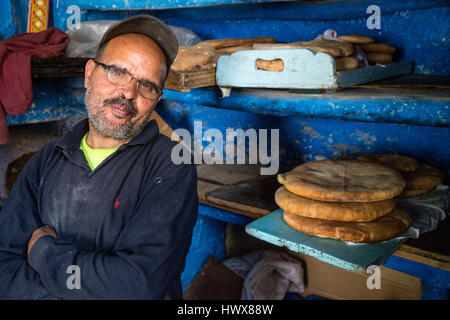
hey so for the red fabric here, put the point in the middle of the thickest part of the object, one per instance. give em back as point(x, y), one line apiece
point(16, 93)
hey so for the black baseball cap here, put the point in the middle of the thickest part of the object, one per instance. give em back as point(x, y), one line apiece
point(150, 26)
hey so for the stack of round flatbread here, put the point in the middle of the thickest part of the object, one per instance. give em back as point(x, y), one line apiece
point(351, 200)
point(206, 53)
point(381, 53)
point(420, 178)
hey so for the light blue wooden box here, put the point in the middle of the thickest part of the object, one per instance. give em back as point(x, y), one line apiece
point(303, 69)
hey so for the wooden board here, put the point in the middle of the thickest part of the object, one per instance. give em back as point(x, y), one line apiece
point(331, 282)
point(411, 81)
point(358, 257)
point(184, 81)
point(216, 176)
point(58, 67)
point(226, 174)
point(255, 196)
point(364, 75)
point(204, 187)
point(424, 257)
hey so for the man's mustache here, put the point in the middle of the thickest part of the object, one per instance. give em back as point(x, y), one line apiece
point(127, 104)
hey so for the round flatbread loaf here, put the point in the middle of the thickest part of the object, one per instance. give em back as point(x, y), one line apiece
point(346, 63)
point(378, 47)
point(377, 57)
point(396, 161)
point(356, 39)
point(335, 48)
point(231, 50)
point(425, 177)
point(336, 52)
point(387, 227)
point(340, 211)
point(233, 42)
point(343, 181)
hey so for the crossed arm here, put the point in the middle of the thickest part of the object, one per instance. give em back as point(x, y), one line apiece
point(34, 261)
point(45, 230)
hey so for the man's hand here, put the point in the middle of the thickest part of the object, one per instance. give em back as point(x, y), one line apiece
point(39, 232)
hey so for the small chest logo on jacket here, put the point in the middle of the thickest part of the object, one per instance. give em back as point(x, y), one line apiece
point(117, 203)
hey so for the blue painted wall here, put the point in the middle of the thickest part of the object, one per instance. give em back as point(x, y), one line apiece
point(420, 29)
point(8, 24)
point(310, 138)
point(208, 239)
point(435, 281)
point(317, 139)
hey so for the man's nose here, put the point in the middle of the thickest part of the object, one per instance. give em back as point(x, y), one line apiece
point(130, 91)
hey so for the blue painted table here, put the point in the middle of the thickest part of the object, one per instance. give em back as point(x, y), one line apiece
point(352, 257)
point(435, 275)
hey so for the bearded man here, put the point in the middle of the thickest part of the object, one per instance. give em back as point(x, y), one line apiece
point(103, 212)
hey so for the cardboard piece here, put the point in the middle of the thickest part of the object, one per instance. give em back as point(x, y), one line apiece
point(214, 282)
point(328, 281)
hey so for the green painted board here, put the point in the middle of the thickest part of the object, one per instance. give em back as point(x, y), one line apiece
point(357, 257)
point(365, 75)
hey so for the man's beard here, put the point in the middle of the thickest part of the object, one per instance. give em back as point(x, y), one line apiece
point(98, 120)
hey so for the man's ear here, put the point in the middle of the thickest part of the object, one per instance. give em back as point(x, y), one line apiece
point(88, 69)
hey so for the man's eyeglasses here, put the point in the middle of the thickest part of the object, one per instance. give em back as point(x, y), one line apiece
point(122, 78)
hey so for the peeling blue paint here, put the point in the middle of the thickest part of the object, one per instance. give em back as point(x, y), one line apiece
point(409, 107)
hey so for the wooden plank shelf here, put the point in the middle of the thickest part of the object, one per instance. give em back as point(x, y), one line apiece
point(59, 67)
point(184, 81)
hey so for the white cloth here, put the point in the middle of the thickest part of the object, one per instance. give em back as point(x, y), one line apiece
point(426, 212)
point(330, 34)
point(85, 39)
point(268, 274)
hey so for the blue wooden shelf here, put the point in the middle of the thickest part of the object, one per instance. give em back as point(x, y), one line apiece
point(154, 4)
point(361, 104)
point(435, 281)
point(52, 100)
